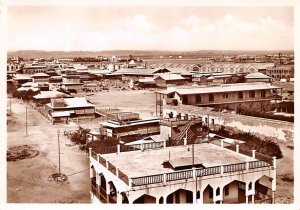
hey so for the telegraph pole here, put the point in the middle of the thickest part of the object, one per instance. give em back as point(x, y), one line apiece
point(58, 132)
point(26, 121)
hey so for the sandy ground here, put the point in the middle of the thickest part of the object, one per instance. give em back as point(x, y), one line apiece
point(27, 179)
point(141, 101)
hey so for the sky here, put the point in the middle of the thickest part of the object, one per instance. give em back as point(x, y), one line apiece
point(178, 28)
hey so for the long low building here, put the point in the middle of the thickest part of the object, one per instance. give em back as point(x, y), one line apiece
point(200, 173)
point(228, 96)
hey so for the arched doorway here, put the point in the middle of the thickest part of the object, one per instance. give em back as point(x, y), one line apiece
point(145, 199)
point(180, 196)
point(208, 194)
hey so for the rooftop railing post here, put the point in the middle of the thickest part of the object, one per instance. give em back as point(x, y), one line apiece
point(165, 144)
point(90, 151)
point(98, 158)
point(165, 178)
point(117, 172)
point(222, 170)
point(222, 143)
point(274, 162)
point(118, 148)
point(130, 183)
point(253, 153)
point(194, 173)
point(237, 148)
point(107, 164)
point(247, 165)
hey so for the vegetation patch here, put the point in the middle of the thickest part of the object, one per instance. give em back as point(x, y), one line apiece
point(266, 147)
point(20, 153)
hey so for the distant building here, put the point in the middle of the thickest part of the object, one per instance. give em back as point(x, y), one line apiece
point(61, 109)
point(167, 79)
point(255, 96)
point(34, 68)
point(257, 77)
point(40, 78)
point(72, 83)
point(281, 72)
point(45, 97)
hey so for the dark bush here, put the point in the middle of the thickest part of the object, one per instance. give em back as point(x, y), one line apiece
point(252, 142)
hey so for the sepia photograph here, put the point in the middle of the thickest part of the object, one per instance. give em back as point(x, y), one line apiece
point(149, 103)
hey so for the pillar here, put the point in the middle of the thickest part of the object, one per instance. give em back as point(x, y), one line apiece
point(222, 143)
point(237, 148)
point(253, 153)
point(118, 148)
point(98, 179)
point(91, 172)
point(90, 152)
point(119, 198)
point(252, 198)
point(247, 201)
point(107, 191)
point(165, 144)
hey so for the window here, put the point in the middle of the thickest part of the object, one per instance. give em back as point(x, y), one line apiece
point(250, 186)
point(211, 97)
point(198, 195)
point(252, 94)
point(218, 191)
point(241, 95)
point(212, 121)
point(226, 190)
point(198, 98)
point(225, 95)
point(263, 93)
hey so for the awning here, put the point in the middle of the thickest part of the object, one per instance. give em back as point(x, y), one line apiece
point(61, 114)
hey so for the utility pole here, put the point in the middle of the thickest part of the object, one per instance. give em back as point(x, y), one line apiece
point(58, 132)
point(26, 121)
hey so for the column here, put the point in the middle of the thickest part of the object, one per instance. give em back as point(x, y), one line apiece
point(119, 198)
point(274, 180)
point(98, 179)
point(107, 191)
point(253, 153)
point(237, 148)
point(222, 143)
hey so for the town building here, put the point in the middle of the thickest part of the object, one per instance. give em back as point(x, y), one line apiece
point(45, 97)
point(34, 68)
point(72, 83)
point(61, 109)
point(168, 79)
point(192, 173)
point(40, 78)
point(257, 77)
point(255, 96)
point(281, 72)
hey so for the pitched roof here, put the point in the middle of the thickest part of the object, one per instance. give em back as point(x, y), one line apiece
point(257, 75)
point(51, 94)
point(40, 75)
point(170, 76)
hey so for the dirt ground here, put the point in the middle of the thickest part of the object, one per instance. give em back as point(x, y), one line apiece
point(141, 101)
point(27, 180)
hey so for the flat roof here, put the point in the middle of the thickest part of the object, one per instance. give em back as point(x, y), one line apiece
point(150, 162)
point(225, 88)
point(115, 124)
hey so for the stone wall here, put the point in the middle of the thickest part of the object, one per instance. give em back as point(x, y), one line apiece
point(281, 130)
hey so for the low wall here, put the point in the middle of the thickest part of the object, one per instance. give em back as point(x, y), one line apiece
point(281, 130)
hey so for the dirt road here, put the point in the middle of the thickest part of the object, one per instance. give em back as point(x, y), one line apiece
point(27, 180)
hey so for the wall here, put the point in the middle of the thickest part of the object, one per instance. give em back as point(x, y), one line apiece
point(284, 131)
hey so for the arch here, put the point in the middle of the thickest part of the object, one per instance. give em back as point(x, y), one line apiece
point(208, 194)
point(263, 189)
point(234, 192)
point(124, 198)
point(161, 200)
point(180, 196)
point(145, 199)
point(203, 69)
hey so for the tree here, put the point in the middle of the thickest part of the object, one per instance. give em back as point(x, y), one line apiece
point(80, 137)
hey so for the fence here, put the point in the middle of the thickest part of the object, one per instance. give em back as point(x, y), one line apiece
point(208, 171)
point(258, 164)
point(123, 177)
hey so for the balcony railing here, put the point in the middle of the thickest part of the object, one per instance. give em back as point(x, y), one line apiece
point(145, 180)
point(184, 174)
point(234, 167)
point(258, 164)
point(179, 175)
